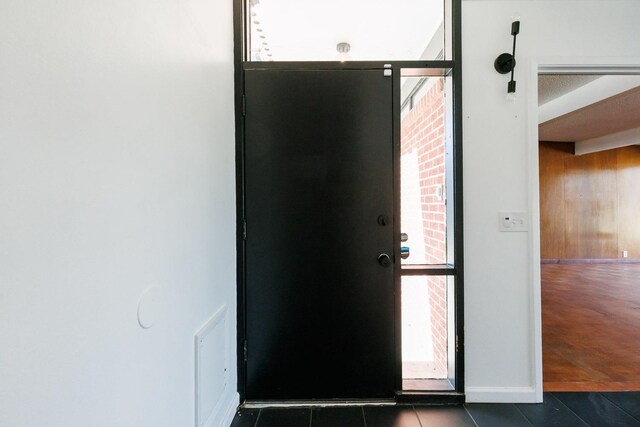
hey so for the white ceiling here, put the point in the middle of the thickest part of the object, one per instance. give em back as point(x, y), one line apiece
point(297, 30)
point(552, 86)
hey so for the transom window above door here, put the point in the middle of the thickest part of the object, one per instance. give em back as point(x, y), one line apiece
point(353, 30)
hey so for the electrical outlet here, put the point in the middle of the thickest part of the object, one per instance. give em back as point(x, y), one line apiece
point(625, 254)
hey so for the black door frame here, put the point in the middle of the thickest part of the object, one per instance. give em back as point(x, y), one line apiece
point(451, 68)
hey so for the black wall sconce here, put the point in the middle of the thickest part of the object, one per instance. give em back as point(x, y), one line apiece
point(506, 62)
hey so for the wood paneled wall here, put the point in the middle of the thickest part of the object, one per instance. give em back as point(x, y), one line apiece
point(590, 204)
point(629, 200)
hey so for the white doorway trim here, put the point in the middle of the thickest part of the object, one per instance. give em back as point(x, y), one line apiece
point(552, 65)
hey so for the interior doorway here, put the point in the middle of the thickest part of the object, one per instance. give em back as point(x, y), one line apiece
point(589, 167)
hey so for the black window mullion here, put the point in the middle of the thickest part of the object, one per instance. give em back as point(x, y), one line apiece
point(428, 270)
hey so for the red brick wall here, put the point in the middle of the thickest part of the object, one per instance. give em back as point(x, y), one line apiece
point(423, 130)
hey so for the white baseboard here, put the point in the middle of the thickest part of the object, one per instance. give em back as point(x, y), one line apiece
point(501, 395)
point(227, 411)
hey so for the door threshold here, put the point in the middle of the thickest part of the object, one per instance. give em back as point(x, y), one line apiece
point(430, 397)
point(411, 385)
point(402, 398)
point(259, 404)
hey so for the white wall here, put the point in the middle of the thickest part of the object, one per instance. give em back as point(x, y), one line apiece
point(116, 173)
point(499, 280)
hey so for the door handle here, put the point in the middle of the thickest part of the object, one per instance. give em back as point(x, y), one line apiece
point(384, 260)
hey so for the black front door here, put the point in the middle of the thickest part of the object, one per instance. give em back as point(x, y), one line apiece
point(319, 209)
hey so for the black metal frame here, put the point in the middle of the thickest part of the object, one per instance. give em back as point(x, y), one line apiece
point(450, 68)
point(397, 274)
point(438, 68)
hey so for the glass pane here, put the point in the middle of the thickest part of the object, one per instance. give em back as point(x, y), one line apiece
point(365, 30)
point(425, 170)
point(425, 334)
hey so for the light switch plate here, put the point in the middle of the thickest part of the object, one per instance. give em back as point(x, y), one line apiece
point(513, 221)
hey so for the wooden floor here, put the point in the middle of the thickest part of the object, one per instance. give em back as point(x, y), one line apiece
point(591, 327)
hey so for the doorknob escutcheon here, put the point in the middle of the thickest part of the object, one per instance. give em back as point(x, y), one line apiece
point(384, 260)
point(384, 220)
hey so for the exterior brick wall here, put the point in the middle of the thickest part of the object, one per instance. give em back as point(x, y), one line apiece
point(423, 131)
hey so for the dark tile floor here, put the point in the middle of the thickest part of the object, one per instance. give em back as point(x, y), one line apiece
point(559, 409)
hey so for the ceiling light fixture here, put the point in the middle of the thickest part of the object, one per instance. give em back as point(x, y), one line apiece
point(343, 49)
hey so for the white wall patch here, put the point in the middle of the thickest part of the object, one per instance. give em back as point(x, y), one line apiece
point(150, 306)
